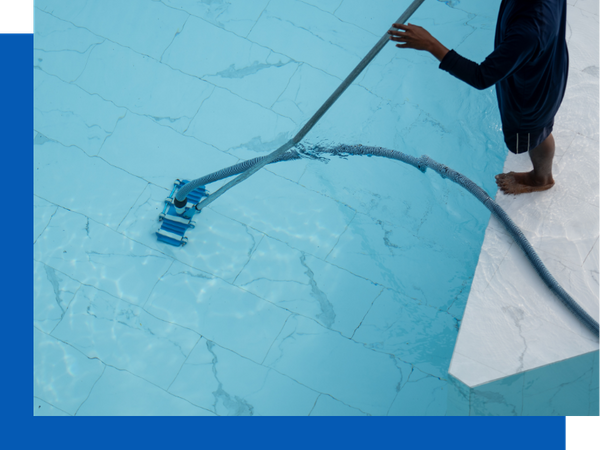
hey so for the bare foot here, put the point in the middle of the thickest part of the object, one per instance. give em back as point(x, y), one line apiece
point(522, 183)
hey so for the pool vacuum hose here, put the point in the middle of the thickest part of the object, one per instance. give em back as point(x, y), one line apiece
point(283, 153)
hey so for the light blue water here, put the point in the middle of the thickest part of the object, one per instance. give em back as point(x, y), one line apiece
point(313, 288)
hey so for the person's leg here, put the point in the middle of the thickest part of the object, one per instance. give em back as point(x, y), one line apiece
point(539, 179)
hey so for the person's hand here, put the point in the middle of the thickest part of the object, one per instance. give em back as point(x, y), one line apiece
point(417, 38)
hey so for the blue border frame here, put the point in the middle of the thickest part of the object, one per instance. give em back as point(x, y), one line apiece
point(16, 119)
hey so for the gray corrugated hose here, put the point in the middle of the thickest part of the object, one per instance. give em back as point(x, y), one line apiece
point(422, 164)
point(185, 190)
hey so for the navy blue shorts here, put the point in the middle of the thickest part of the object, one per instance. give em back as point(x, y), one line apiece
point(522, 142)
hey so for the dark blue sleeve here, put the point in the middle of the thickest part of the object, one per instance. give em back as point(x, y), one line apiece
point(516, 49)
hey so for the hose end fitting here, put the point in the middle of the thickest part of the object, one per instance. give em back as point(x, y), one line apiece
point(180, 205)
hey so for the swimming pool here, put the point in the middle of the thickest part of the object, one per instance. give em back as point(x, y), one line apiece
point(317, 287)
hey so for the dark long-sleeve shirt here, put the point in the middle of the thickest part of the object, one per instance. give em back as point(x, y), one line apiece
point(529, 64)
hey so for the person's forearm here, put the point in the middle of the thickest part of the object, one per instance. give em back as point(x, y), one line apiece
point(438, 50)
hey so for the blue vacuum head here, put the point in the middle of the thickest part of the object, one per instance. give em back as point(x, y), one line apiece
point(173, 226)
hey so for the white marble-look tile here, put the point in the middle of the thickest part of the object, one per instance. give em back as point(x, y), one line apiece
point(414, 332)
point(167, 155)
point(306, 91)
point(65, 113)
point(42, 408)
point(125, 336)
point(70, 178)
point(473, 373)
point(591, 261)
point(493, 251)
point(576, 172)
point(61, 48)
point(581, 97)
point(582, 40)
point(227, 315)
point(306, 285)
point(326, 5)
point(52, 294)
point(249, 70)
point(210, 378)
point(123, 22)
point(518, 325)
point(62, 376)
point(228, 121)
point(327, 43)
point(279, 208)
point(331, 364)
point(42, 214)
point(120, 393)
point(590, 6)
point(237, 16)
point(569, 229)
point(168, 96)
point(217, 245)
point(394, 257)
point(97, 256)
point(326, 405)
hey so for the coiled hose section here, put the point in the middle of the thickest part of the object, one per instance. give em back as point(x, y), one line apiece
point(422, 164)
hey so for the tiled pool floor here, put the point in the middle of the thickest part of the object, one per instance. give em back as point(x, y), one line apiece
point(311, 289)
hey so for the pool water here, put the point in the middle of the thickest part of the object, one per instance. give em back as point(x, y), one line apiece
point(316, 287)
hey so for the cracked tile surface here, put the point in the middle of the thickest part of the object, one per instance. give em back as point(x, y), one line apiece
point(513, 324)
point(316, 288)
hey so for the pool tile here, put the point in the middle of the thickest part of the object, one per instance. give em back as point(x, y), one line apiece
point(579, 163)
point(340, 45)
point(70, 178)
point(123, 22)
point(458, 398)
point(569, 400)
point(573, 374)
point(211, 379)
point(306, 285)
point(52, 294)
point(413, 332)
point(286, 211)
point(421, 395)
point(222, 58)
point(228, 121)
point(536, 299)
point(61, 48)
point(168, 155)
point(331, 364)
point(307, 90)
point(493, 251)
point(41, 408)
point(328, 406)
point(583, 39)
point(237, 16)
point(217, 245)
point(499, 398)
point(582, 97)
point(125, 336)
point(231, 317)
point(67, 114)
point(62, 375)
point(97, 256)
point(166, 95)
point(119, 393)
point(594, 402)
point(472, 372)
point(394, 257)
point(42, 214)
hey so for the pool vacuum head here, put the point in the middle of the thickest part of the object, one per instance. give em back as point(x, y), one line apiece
point(176, 217)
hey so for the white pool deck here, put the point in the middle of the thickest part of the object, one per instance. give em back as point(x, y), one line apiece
point(513, 322)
